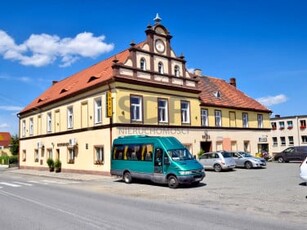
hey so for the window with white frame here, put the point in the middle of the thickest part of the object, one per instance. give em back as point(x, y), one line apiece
point(71, 155)
point(160, 68)
point(98, 111)
point(260, 120)
point(162, 110)
point(218, 118)
point(177, 71)
point(290, 124)
point(245, 120)
point(136, 108)
point(281, 125)
point(275, 141)
point(49, 122)
point(70, 117)
point(282, 141)
point(185, 112)
point(31, 126)
point(36, 156)
point(304, 139)
point(24, 128)
point(204, 117)
point(291, 140)
point(273, 124)
point(143, 64)
point(246, 146)
point(24, 155)
point(50, 153)
point(99, 155)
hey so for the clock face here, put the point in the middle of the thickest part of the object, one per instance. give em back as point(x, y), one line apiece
point(160, 47)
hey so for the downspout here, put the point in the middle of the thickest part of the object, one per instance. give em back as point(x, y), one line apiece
point(19, 155)
point(298, 132)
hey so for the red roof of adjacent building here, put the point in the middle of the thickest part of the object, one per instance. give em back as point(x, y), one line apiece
point(5, 139)
point(218, 92)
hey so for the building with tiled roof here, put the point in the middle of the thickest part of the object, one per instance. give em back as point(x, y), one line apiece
point(5, 141)
point(143, 90)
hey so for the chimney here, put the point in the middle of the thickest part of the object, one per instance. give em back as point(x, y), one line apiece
point(233, 82)
point(198, 72)
point(277, 116)
point(54, 82)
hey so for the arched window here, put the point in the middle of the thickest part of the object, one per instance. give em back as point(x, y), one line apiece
point(143, 64)
point(160, 68)
point(177, 71)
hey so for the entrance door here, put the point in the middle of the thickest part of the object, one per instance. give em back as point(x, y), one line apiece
point(158, 160)
point(206, 146)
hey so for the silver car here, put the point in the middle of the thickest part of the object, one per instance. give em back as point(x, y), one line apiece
point(218, 161)
point(244, 159)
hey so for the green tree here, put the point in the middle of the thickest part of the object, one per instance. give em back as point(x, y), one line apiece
point(14, 147)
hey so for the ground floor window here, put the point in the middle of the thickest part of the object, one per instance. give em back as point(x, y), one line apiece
point(71, 156)
point(36, 155)
point(99, 155)
point(24, 155)
point(49, 153)
point(246, 146)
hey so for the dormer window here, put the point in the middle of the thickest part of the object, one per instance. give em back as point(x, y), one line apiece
point(143, 64)
point(177, 71)
point(160, 68)
point(217, 94)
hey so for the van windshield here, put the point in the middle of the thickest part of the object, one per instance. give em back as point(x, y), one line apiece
point(180, 154)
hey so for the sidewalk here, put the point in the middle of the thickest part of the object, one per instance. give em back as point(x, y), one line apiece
point(60, 175)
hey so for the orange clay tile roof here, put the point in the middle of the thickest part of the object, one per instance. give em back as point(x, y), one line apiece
point(5, 139)
point(230, 96)
point(82, 80)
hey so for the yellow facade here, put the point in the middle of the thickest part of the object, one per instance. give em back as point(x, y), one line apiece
point(78, 129)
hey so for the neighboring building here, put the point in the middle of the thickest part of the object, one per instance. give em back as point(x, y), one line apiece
point(5, 140)
point(144, 90)
point(288, 131)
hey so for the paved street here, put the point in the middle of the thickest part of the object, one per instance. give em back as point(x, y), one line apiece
point(273, 197)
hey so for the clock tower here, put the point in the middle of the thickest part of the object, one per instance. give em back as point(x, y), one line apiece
point(158, 37)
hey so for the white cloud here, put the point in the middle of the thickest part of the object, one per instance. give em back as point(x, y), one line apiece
point(11, 108)
point(4, 125)
point(272, 100)
point(43, 49)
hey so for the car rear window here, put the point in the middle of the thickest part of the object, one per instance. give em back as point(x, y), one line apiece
point(226, 154)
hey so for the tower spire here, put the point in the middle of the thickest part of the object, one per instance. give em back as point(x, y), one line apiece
point(157, 19)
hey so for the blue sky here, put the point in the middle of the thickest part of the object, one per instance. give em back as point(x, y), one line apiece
point(262, 43)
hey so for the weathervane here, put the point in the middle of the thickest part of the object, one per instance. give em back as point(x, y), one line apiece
point(157, 19)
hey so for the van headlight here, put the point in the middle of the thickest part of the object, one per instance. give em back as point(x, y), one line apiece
point(185, 172)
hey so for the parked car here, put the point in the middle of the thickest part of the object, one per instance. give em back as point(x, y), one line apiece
point(303, 170)
point(295, 153)
point(218, 161)
point(244, 159)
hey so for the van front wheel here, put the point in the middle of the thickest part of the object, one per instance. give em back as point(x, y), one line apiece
point(127, 177)
point(172, 182)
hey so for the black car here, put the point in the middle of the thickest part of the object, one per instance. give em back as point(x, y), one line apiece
point(295, 153)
